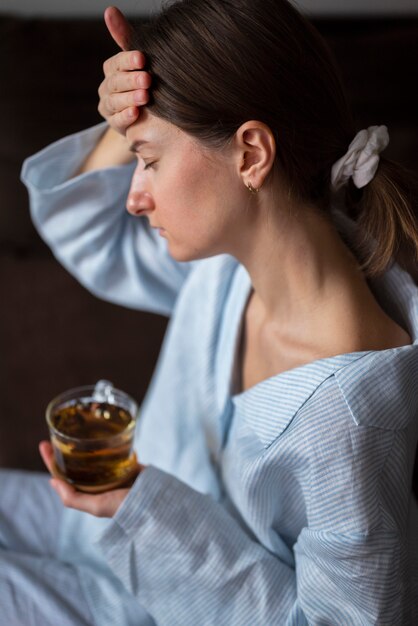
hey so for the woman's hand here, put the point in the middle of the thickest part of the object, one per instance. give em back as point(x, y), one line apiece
point(101, 505)
point(124, 88)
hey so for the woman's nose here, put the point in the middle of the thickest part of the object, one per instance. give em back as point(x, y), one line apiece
point(139, 200)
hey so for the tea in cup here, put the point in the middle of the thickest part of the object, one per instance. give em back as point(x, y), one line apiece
point(92, 433)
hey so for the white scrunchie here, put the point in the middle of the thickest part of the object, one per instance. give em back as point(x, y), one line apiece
point(362, 159)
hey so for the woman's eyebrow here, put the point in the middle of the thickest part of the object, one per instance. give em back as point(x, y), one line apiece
point(136, 144)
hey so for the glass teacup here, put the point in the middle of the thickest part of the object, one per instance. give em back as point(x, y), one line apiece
point(92, 432)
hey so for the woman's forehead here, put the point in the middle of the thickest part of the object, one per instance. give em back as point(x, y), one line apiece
point(151, 129)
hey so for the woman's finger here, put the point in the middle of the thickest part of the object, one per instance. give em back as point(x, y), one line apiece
point(101, 505)
point(119, 28)
point(121, 82)
point(115, 103)
point(120, 121)
point(124, 62)
point(124, 89)
point(47, 454)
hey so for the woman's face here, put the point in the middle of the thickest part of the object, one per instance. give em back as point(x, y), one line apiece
point(193, 197)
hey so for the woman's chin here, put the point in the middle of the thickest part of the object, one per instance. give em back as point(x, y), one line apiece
point(184, 255)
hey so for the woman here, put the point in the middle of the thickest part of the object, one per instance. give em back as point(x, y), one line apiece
point(279, 432)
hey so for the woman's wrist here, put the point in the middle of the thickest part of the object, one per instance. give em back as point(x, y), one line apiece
point(112, 150)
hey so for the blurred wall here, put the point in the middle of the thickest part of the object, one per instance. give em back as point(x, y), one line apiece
point(145, 7)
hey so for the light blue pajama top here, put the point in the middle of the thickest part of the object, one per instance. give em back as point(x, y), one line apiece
point(289, 503)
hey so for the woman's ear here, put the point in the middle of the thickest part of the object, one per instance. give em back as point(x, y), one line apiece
point(257, 149)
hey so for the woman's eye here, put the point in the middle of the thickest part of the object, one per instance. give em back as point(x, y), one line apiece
point(147, 165)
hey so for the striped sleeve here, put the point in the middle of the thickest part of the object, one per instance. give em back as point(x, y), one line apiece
point(84, 221)
point(189, 562)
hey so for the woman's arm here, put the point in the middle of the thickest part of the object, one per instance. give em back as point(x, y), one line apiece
point(110, 151)
point(123, 91)
point(83, 219)
point(78, 189)
point(189, 562)
point(351, 554)
point(345, 483)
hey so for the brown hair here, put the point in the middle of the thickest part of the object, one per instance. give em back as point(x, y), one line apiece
point(219, 63)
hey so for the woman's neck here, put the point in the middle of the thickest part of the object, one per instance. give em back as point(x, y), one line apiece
point(308, 287)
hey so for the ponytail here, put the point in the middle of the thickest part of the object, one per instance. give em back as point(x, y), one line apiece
point(386, 212)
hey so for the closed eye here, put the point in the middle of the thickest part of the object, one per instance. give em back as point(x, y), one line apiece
point(147, 165)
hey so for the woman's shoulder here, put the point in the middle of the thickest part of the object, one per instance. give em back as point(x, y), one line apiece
point(378, 390)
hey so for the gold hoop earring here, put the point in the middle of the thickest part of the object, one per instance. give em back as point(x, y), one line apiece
point(252, 189)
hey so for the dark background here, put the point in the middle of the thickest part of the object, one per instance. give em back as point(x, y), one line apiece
point(55, 335)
